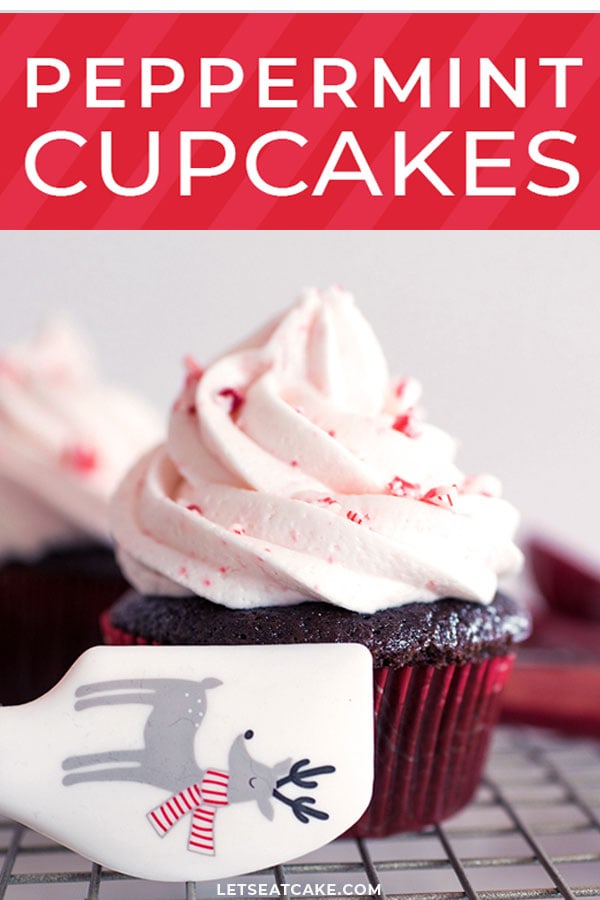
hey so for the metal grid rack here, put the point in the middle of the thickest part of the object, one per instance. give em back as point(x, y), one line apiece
point(532, 831)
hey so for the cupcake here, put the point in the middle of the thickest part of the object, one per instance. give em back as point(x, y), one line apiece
point(66, 439)
point(301, 497)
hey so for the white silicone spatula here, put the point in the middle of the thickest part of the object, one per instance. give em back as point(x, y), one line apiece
point(188, 764)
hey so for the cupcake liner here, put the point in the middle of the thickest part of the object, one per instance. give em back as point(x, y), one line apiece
point(432, 731)
point(49, 614)
point(116, 636)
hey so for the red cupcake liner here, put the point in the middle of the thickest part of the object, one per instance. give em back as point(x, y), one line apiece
point(47, 619)
point(116, 636)
point(432, 732)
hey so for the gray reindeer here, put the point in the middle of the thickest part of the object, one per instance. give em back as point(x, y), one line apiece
point(167, 759)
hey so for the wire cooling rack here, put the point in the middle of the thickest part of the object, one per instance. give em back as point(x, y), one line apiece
point(532, 831)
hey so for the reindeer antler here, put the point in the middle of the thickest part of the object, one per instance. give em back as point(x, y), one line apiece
point(302, 807)
point(299, 807)
point(298, 777)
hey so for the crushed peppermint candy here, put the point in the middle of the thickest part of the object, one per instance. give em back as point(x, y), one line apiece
point(81, 458)
point(193, 507)
point(356, 517)
point(408, 424)
point(234, 397)
point(400, 487)
point(443, 496)
point(408, 392)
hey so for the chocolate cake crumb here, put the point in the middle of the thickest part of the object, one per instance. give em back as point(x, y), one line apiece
point(445, 632)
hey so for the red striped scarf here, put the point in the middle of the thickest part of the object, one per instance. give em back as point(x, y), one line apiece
point(201, 800)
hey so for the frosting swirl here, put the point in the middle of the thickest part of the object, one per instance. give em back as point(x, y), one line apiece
point(295, 469)
point(66, 440)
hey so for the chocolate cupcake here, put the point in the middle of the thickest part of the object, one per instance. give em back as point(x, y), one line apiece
point(65, 441)
point(301, 497)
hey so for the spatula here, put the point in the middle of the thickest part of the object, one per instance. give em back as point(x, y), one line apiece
point(194, 763)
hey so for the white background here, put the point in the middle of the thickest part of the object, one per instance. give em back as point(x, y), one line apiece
point(502, 329)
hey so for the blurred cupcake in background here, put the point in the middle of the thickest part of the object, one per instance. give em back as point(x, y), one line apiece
point(66, 438)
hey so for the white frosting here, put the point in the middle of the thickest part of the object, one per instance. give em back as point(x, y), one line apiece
point(294, 469)
point(66, 439)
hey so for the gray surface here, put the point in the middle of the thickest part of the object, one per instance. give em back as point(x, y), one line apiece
point(503, 328)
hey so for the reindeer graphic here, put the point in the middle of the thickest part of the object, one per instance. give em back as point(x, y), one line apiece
point(167, 760)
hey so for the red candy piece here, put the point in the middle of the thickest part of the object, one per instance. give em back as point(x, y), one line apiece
point(81, 458)
point(407, 424)
point(355, 517)
point(234, 397)
point(402, 488)
point(441, 496)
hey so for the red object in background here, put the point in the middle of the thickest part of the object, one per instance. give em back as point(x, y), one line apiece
point(231, 200)
point(556, 682)
point(569, 584)
point(562, 696)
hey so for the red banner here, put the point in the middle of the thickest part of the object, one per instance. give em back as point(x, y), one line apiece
point(298, 121)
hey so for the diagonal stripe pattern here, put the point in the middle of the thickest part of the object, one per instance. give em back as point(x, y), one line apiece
point(201, 802)
point(233, 199)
